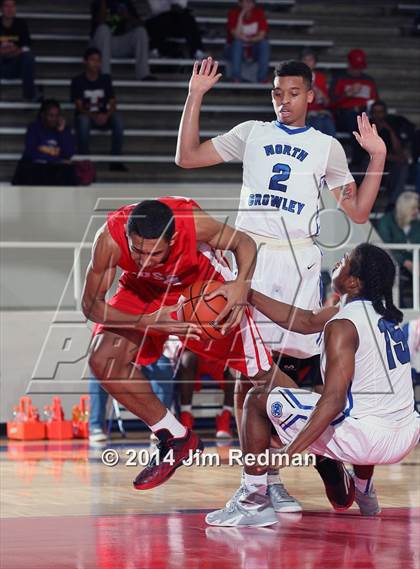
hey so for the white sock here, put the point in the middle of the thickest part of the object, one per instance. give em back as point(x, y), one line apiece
point(363, 485)
point(274, 473)
point(170, 423)
point(186, 408)
point(256, 483)
point(227, 408)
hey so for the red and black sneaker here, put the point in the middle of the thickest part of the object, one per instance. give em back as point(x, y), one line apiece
point(339, 485)
point(169, 454)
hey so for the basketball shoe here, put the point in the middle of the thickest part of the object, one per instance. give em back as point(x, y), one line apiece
point(245, 509)
point(339, 485)
point(169, 454)
point(223, 422)
point(367, 501)
point(281, 500)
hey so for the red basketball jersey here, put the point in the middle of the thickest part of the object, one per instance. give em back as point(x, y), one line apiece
point(184, 263)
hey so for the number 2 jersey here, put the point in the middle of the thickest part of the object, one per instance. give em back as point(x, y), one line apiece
point(284, 170)
point(381, 385)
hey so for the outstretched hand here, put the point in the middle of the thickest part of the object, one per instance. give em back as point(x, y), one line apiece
point(204, 76)
point(368, 136)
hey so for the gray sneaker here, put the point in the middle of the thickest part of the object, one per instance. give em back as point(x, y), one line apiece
point(244, 509)
point(368, 503)
point(281, 500)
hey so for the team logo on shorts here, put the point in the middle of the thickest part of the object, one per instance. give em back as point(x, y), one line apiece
point(276, 409)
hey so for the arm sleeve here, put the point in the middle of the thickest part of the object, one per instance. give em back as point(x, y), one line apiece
point(337, 171)
point(231, 145)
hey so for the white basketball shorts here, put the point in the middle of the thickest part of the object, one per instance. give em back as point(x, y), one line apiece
point(290, 273)
point(368, 440)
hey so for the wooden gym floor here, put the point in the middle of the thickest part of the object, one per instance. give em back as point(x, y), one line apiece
point(62, 508)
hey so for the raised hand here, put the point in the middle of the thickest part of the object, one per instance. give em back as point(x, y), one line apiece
point(368, 136)
point(204, 76)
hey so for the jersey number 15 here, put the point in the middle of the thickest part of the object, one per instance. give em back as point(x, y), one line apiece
point(395, 336)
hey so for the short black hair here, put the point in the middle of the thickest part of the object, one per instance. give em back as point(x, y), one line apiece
point(294, 68)
point(376, 270)
point(91, 51)
point(48, 104)
point(152, 219)
point(379, 103)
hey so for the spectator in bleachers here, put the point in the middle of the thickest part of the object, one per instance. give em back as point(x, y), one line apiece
point(402, 226)
point(172, 18)
point(49, 147)
point(117, 31)
point(247, 30)
point(319, 116)
point(95, 106)
point(16, 58)
point(350, 95)
point(395, 131)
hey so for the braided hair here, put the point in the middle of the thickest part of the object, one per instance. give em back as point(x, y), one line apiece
point(376, 270)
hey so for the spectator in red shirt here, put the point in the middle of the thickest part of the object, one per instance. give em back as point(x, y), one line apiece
point(319, 115)
point(352, 91)
point(247, 39)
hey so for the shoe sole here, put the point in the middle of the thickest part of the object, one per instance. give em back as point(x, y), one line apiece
point(150, 485)
point(289, 510)
point(257, 525)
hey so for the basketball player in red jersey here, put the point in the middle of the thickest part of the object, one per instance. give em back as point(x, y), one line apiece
point(163, 246)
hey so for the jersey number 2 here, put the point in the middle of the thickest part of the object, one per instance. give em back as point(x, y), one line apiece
point(399, 345)
point(282, 173)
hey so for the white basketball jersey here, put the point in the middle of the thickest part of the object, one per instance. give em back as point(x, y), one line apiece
point(283, 174)
point(381, 385)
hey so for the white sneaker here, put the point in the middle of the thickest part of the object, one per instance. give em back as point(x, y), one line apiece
point(281, 500)
point(244, 509)
point(97, 436)
point(367, 502)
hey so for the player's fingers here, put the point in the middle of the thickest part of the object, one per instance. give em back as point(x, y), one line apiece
point(203, 67)
point(214, 68)
point(234, 320)
point(195, 68)
point(375, 130)
point(221, 291)
point(223, 314)
point(359, 123)
point(357, 137)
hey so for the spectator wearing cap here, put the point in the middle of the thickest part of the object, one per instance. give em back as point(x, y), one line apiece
point(350, 94)
point(247, 30)
point(16, 58)
point(352, 91)
point(319, 116)
point(95, 107)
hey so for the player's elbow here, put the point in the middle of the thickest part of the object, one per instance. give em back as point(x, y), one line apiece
point(184, 161)
point(88, 308)
point(359, 218)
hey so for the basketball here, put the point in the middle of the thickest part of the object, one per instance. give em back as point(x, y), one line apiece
point(201, 311)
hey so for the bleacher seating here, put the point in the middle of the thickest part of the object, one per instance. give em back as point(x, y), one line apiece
point(151, 110)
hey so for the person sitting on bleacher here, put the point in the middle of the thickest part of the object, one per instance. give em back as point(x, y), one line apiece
point(402, 226)
point(398, 134)
point(117, 31)
point(172, 18)
point(247, 40)
point(319, 116)
point(350, 94)
point(95, 106)
point(49, 147)
point(16, 58)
